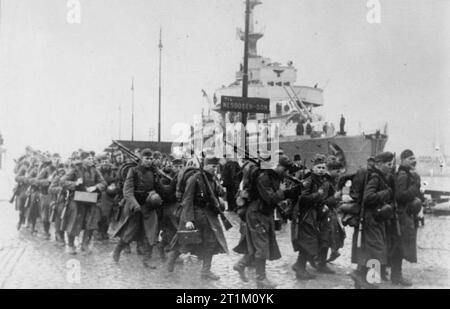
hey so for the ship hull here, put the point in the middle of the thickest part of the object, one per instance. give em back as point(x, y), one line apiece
point(354, 150)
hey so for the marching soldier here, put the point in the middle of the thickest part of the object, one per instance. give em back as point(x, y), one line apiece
point(231, 181)
point(337, 231)
point(168, 220)
point(310, 226)
point(198, 216)
point(140, 211)
point(43, 182)
point(32, 202)
point(376, 209)
point(81, 215)
point(259, 242)
point(107, 198)
point(21, 191)
point(58, 196)
point(409, 203)
point(122, 166)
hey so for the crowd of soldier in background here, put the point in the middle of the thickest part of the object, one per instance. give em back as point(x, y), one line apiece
point(177, 206)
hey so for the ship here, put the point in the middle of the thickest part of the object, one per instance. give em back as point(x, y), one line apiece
point(291, 106)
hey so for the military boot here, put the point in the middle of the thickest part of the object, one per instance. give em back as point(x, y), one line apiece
point(147, 256)
point(359, 277)
point(300, 268)
point(333, 256)
point(261, 280)
point(240, 268)
point(206, 273)
point(140, 247)
point(396, 273)
point(401, 281)
point(127, 249)
point(162, 252)
point(59, 237)
point(21, 221)
point(71, 248)
point(33, 228)
point(323, 267)
point(117, 250)
point(172, 258)
point(85, 241)
point(299, 263)
point(46, 230)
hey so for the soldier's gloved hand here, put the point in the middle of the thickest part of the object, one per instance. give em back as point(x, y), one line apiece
point(293, 193)
point(190, 226)
point(136, 207)
point(91, 189)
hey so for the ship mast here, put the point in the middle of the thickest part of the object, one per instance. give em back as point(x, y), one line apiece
point(132, 108)
point(250, 39)
point(159, 100)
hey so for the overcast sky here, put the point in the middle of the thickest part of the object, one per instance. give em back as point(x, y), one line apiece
point(61, 84)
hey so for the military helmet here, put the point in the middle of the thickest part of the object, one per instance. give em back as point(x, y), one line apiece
point(153, 201)
point(112, 190)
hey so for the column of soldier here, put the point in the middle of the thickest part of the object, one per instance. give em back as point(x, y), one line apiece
point(176, 206)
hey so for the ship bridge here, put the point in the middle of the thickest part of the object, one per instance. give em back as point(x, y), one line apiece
point(272, 80)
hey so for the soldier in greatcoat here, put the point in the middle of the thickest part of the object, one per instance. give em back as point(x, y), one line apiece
point(258, 241)
point(21, 193)
point(231, 181)
point(107, 198)
point(43, 182)
point(142, 201)
point(310, 228)
point(32, 201)
point(409, 203)
point(337, 231)
point(84, 176)
point(377, 203)
point(198, 214)
point(169, 223)
point(58, 197)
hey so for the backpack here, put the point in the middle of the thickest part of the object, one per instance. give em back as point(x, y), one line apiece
point(183, 178)
point(351, 210)
point(247, 190)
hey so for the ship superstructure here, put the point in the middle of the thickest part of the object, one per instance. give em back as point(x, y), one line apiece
point(301, 130)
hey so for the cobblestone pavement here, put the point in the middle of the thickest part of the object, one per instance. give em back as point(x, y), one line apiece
point(29, 261)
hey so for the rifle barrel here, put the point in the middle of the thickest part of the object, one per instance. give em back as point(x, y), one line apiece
point(226, 223)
